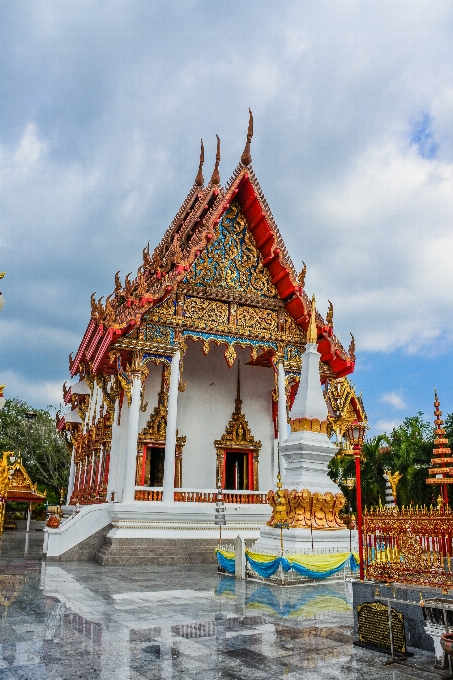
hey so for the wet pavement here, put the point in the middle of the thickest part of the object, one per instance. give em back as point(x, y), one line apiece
point(61, 621)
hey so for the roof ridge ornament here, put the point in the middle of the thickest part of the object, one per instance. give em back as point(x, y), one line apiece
point(351, 350)
point(312, 333)
point(246, 157)
point(199, 179)
point(302, 275)
point(329, 316)
point(215, 179)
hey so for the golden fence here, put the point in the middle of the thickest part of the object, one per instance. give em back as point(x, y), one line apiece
point(411, 545)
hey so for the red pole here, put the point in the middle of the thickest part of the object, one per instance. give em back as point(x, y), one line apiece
point(357, 452)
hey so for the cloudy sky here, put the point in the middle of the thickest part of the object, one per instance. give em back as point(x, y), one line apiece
point(103, 107)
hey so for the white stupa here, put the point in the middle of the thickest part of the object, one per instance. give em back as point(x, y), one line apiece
point(313, 499)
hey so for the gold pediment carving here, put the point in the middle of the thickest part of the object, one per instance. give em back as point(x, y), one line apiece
point(232, 260)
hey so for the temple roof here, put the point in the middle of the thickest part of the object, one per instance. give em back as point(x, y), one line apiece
point(191, 231)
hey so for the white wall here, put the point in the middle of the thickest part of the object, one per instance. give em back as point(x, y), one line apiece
point(205, 408)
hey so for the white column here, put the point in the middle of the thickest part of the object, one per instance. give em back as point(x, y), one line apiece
point(282, 418)
point(168, 495)
point(101, 455)
point(29, 517)
point(113, 465)
point(132, 436)
point(71, 478)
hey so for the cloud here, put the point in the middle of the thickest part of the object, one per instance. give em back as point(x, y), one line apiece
point(394, 399)
point(101, 120)
point(386, 426)
point(38, 394)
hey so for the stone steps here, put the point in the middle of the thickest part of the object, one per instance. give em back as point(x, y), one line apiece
point(155, 551)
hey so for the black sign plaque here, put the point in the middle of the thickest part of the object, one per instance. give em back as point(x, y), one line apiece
point(374, 629)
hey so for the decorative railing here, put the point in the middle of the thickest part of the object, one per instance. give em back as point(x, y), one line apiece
point(204, 496)
point(146, 493)
point(412, 545)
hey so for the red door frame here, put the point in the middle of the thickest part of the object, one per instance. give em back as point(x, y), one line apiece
point(249, 453)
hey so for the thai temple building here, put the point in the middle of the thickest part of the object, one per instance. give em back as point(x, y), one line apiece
point(189, 375)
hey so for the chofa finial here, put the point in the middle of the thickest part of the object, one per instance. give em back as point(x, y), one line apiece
point(215, 179)
point(246, 157)
point(312, 333)
point(329, 316)
point(351, 350)
point(302, 275)
point(199, 179)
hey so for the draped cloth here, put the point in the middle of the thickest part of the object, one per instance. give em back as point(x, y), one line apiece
point(225, 560)
point(310, 566)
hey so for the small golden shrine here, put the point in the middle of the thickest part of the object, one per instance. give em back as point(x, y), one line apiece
point(15, 484)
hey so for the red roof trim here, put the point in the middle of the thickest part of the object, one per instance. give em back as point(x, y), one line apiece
point(83, 344)
point(94, 342)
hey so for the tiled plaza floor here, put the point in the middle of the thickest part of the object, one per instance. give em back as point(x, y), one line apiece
point(78, 620)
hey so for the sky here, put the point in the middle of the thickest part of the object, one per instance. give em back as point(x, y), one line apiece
point(103, 107)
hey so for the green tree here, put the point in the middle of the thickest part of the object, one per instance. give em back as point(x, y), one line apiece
point(410, 452)
point(44, 452)
point(373, 465)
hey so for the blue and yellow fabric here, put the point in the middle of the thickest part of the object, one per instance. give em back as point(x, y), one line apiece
point(310, 566)
point(225, 560)
point(307, 605)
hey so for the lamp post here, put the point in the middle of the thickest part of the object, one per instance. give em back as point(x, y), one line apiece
point(30, 416)
point(2, 299)
point(356, 436)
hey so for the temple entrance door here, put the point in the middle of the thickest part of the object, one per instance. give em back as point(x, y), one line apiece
point(153, 470)
point(238, 470)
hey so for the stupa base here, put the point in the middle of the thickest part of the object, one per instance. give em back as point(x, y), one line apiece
point(301, 541)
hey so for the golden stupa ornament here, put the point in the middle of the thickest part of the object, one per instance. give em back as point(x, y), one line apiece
point(312, 333)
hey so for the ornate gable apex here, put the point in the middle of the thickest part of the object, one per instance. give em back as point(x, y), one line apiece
point(230, 265)
point(191, 231)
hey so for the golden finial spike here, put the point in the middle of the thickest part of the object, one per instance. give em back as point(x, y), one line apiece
point(2, 274)
point(312, 333)
point(301, 277)
point(199, 179)
point(246, 157)
point(215, 179)
point(329, 317)
point(351, 349)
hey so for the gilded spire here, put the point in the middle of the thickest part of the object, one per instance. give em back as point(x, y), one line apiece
point(312, 333)
point(246, 157)
point(441, 451)
point(215, 179)
point(238, 408)
point(199, 179)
